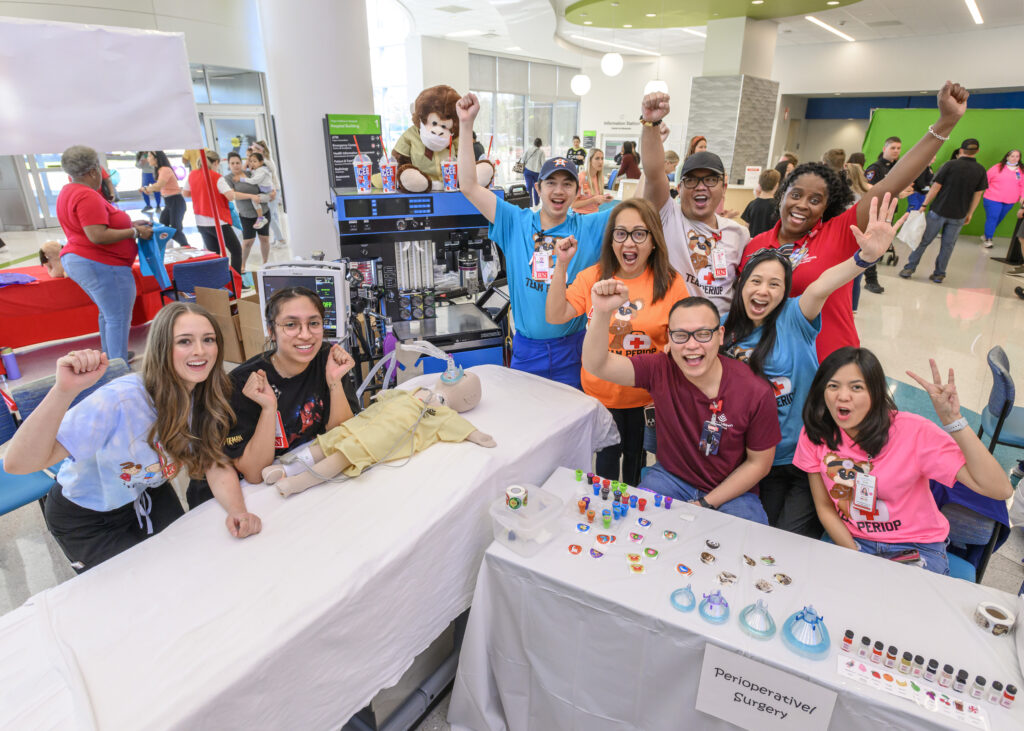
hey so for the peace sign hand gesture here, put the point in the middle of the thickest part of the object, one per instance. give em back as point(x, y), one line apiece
point(944, 396)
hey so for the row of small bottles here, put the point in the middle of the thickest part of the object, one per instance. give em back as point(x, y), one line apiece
point(914, 666)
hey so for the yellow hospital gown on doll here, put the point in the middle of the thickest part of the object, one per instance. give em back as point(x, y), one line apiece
point(384, 431)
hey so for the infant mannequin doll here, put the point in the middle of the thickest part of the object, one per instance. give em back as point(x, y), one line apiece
point(397, 425)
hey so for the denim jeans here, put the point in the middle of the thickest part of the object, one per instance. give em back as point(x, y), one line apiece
point(995, 212)
point(149, 179)
point(531, 179)
point(559, 359)
point(934, 223)
point(112, 288)
point(661, 480)
point(932, 554)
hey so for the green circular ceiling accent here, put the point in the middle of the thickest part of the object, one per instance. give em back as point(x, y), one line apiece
point(687, 13)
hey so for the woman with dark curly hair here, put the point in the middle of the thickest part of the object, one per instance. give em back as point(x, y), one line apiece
point(815, 218)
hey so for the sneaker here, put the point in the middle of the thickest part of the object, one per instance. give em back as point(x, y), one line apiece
point(260, 222)
point(147, 208)
point(987, 243)
point(247, 280)
point(906, 273)
point(279, 244)
point(874, 287)
point(938, 278)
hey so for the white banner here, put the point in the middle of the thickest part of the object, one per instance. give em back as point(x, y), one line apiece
point(64, 84)
point(758, 697)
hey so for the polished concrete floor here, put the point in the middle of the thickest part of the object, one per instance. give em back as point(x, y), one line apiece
point(955, 322)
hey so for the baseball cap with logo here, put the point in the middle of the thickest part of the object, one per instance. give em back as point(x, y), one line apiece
point(555, 164)
point(703, 161)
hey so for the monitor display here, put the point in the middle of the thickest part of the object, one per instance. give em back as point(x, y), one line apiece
point(324, 286)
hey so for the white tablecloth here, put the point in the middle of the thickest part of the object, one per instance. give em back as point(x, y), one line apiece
point(300, 626)
point(562, 641)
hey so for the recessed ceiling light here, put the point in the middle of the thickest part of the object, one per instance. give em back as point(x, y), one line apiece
point(652, 15)
point(615, 5)
point(972, 8)
point(631, 49)
point(829, 28)
point(627, 25)
point(583, 15)
point(832, 2)
point(757, 2)
point(588, 22)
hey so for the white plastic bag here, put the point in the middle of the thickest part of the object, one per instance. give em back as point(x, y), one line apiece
point(912, 231)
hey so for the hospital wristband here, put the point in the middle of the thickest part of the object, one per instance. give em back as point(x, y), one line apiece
point(955, 426)
point(864, 264)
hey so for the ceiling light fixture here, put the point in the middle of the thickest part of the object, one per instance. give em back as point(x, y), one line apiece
point(588, 22)
point(580, 84)
point(832, 2)
point(829, 28)
point(611, 64)
point(627, 25)
point(651, 15)
point(757, 2)
point(972, 7)
point(631, 49)
point(692, 32)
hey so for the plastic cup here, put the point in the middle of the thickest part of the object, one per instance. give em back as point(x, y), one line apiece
point(389, 176)
point(363, 168)
point(450, 174)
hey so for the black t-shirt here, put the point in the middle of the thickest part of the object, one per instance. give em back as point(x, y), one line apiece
point(923, 182)
point(760, 215)
point(876, 171)
point(577, 156)
point(960, 180)
point(303, 403)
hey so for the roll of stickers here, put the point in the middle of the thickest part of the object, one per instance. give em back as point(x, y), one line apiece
point(994, 618)
point(515, 497)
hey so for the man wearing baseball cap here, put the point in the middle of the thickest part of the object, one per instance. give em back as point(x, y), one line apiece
point(955, 193)
point(527, 238)
point(702, 246)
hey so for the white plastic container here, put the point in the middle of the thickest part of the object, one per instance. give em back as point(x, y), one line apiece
point(527, 529)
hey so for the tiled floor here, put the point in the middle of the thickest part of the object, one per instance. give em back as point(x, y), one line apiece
point(956, 322)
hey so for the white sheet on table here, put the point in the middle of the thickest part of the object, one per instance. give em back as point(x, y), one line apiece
point(300, 626)
point(564, 641)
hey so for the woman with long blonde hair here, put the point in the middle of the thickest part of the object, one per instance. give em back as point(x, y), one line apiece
point(592, 193)
point(124, 442)
point(857, 179)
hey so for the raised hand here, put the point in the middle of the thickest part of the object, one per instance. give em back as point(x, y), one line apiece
point(874, 241)
point(944, 396)
point(80, 369)
point(339, 363)
point(565, 249)
point(608, 295)
point(654, 106)
point(952, 100)
point(257, 388)
point(467, 108)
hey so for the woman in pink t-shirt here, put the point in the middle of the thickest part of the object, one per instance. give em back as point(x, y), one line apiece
point(869, 464)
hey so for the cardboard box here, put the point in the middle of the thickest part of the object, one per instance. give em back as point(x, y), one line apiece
point(240, 321)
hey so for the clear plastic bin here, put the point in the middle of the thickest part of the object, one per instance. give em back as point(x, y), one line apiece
point(527, 529)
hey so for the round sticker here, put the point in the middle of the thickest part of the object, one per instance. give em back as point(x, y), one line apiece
point(575, 549)
point(684, 569)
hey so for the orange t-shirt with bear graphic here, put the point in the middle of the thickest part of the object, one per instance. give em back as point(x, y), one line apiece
point(638, 327)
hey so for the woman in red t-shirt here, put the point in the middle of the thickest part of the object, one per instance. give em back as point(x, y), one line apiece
point(629, 168)
point(814, 221)
point(101, 247)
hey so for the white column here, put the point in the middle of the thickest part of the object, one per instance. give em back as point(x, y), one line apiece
point(318, 62)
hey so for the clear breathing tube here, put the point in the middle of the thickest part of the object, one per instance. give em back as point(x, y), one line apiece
point(451, 374)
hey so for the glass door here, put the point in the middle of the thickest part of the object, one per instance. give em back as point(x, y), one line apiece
point(44, 178)
point(233, 133)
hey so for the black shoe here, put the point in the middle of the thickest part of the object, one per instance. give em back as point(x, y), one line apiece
point(1019, 291)
point(2, 244)
point(147, 208)
point(874, 287)
point(906, 273)
point(937, 278)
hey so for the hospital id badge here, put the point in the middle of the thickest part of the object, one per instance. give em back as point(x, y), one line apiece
point(719, 265)
point(864, 495)
point(280, 440)
point(541, 266)
point(710, 439)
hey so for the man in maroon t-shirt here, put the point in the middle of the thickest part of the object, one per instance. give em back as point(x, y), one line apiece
point(716, 421)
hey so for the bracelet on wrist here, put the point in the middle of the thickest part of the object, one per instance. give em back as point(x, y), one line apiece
point(705, 504)
point(936, 135)
point(645, 123)
point(954, 426)
point(862, 263)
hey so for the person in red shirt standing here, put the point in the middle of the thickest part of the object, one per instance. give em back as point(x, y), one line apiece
point(629, 168)
point(814, 221)
point(207, 212)
point(101, 247)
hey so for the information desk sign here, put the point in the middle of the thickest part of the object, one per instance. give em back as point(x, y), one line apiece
point(759, 697)
point(341, 131)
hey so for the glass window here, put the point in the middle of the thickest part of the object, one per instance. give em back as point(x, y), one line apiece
point(565, 125)
point(484, 126)
point(509, 124)
point(199, 85)
point(230, 86)
point(482, 72)
point(539, 125)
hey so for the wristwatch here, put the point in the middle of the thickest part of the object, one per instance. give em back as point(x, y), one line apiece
point(705, 504)
point(645, 123)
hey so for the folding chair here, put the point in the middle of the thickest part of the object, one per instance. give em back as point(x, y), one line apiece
point(212, 273)
point(1003, 420)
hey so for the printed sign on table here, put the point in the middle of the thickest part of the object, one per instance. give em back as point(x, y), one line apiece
point(759, 697)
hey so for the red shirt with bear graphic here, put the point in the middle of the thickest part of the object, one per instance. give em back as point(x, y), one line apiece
point(905, 511)
point(639, 327)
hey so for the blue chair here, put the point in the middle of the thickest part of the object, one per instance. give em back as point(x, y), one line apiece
point(611, 179)
point(19, 490)
point(212, 273)
point(1000, 418)
point(978, 526)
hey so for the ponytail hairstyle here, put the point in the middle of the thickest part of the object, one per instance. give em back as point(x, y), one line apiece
point(738, 325)
point(190, 426)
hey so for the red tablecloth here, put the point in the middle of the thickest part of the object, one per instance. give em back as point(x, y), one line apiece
point(52, 309)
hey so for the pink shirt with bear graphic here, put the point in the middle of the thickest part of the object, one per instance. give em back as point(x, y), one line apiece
point(905, 511)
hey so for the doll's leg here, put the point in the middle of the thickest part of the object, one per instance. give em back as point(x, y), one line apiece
point(328, 467)
point(292, 463)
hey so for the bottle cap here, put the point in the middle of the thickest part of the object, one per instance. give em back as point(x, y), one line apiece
point(996, 685)
point(947, 669)
point(878, 645)
point(932, 664)
point(962, 676)
point(907, 656)
point(849, 634)
point(892, 650)
point(1011, 689)
point(865, 641)
point(920, 660)
point(979, 680)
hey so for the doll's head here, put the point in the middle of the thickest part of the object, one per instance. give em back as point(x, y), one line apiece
point(459, 390)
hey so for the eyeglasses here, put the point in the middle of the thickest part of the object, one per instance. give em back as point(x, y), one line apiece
point(711, 181)
point(704, 335)
point(294, 327)
point(639, 235)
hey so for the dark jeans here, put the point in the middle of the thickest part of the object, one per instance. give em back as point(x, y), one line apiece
point(173, 214)
point(934, 223)
point(89, 537)
point(231, 243)
point(786, 497)
point(630, 423)
point(531, 183)
point(149, 179)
